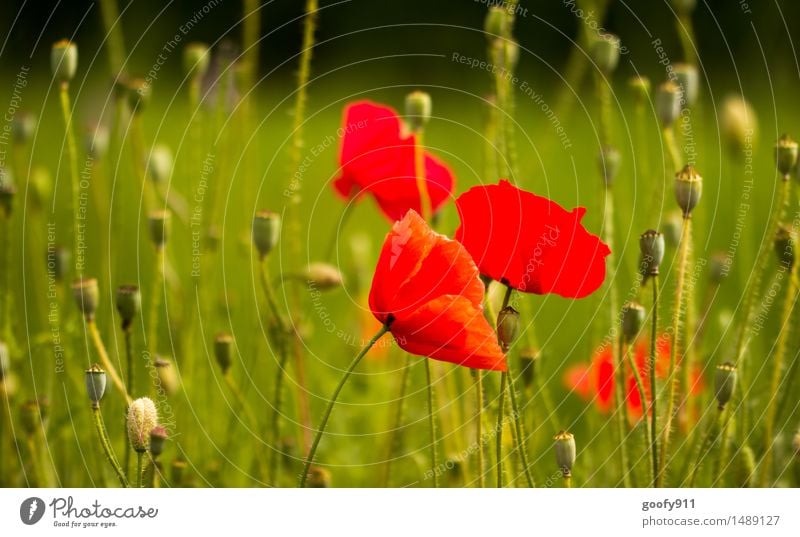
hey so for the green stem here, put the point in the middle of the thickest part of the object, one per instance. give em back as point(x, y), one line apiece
point(276, 415)
point(139, 469)
point(651, 364)
point(326, 416)
point(72, 151)
point(155, 302)
point(111, 371)
point(648, 433)
point(113, 28)
point(432, 424)
point(479, 425)
point(685, 30)
point(672, 148)
point(106, 445)
point(621, 413)
point(520, 433)
point(711, 432)
point(130, 384)
point(499, 427)
point(395, 433)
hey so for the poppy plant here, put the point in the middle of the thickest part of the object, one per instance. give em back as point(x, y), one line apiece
point(378, 158)
point(529, 242)
point(427, 292)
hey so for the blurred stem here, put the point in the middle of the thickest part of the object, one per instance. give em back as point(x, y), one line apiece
point(106, 445)
point(139, 469)
point(522, 447)
point(419, 168)
point(278, 409)
point(130, 385)
point(337, 230)
point(685, 30)
point(5, 237)
point(139, 155)
point(105, 361)
point(672, 148)
point(777, 375)
point(249, 416)
point(113, 29)
point(677, 310)
point(155, 302)
point(252, 28)
point(501, 405)
point(648, 433)
point(621, 413)
point(397, 423)
point(567, 481)
point(432, 424)
point(478, 375)
point(326, 416)
point(711, 432)
point(651, 364)
point(722, 454)
point(72, 150)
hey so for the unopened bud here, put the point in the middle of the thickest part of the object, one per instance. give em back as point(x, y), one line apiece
point(688, 80)
point(196, 59)
point(719, 266)
point(668, 103)
point(507, 327)
point(738, 123)
point(651, 246)
point(640, 87)
point(318, 478)
point(40, 186)
point(95, 384)
point(157, 438)
point(223, 351)
point(266, 230)
point(609, 161)
point(784, 245)
point(64, 60)
point(633, 316)
point(23, 127)
point(167, 377)
point(724, 383)
point(96, 140)
point(323, 276)
point(58, 259)
point(138, 94)
point(688, 189)
point(159, 222)
point(87, 296)
point(160, 164)
point(418, 110)
point(142, 418)
point(565, 452)
point(786, 156)
point(129, 303)
point(605, 52)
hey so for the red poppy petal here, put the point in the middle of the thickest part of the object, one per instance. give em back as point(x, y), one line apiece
point(439, 179)
point(578, 379)
point(452, 329)
point(530, 242)
point(604, 377)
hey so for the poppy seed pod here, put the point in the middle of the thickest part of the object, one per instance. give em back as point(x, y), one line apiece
point(57, 260)
point(142, 418)
point(507, 327)
point(7, 192)
point(640, 87)
point(323, 276)
point(651, 246)
point(688, 189)
point(719, 266)
point(64, 60)
point(95, 384)
point(223, 351)
point(633, 315)
point(738, 123)
point(158, 435)
point(87, 296)
point(609, 161)
point(668, 103)
point(266, 230)
point(5, 360)
point(605, 52)
point(784, 245)
point(96, 140)
point(138, 94)
point(158, 222)
point(318, 478)
point(129, 303)
point(160, 164)
point(196, 58)
point(565, 452)
point(418, 110)
point(498, 19)
point(23, 127)
point(688, 80)
point(167, 378)
point(786, 156)
point(724, 383)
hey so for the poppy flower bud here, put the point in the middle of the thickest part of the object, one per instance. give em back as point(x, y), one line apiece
point(87, 296)
point(497, 19)
point(196, 58)
point(223, 351)
point(684, 7)
point(158, 222)
point(739, 123)
point(418, 110)
point(323, 276)
point(142, 418)
point(58, 259)
point(158, 435)
point(688, 189)
point(266, 230)
point(318, 478)
point(609, 161)
point(30, 415)
point(160, 164)
point(784, 245)
point(167, 377)
point(724, 383)
point(5, 360)
point(129, 303)
point(668, 103)
point(95, 384)
point(507, 327)
point(719, 266)
point(640, 87)
point(633, 316)
point(786, 156)
point(7, 192)
point(651, 246)
point(565, 452)
point(138, 93)
point(23, 127)
point(688, 80)
point(64, 60)
point(527, 370)
point(96, 140)
point(605, 52)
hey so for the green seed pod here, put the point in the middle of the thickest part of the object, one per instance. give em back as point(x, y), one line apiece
point(160, 164)
point(64, 60)
point(784, 245)
point(159, 224)
point(786, 156)
point(688, 80)
point(129, 303)
point(7, 192)
point(651, 247)
point(167, 378)
point(196, 58)
point(719, 267)
point(142, 418)
point(323, 276)
point(23, 127)
point(640, 87)
point(688, 189)
point(633, 316)
point(605, 52)
point(724, 383)
point(527, 366)
point(87, 296)
point(158, 435)
point(507, 327)
point(668, 103)
point(744, 467)
point(672, 228)
point(318, 478)
point(565, 452)
point(30, 417)
point(223, 351)
point(138, 93)
point(684, 7)
point(95, 140)
point(57, 260)
point(95, 384)
point(418, 110)
point(266, 231)
point(738, 123)
point(5, 360)
point(41, 187)
point(609, 162)
point(498, 19)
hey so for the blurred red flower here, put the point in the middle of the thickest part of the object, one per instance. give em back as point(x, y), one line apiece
point(529, 242)
point(377, 157)
point(427, 290)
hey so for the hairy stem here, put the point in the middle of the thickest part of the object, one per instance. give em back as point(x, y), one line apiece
point(651, 364)
point(106, 445)
point(432, 424)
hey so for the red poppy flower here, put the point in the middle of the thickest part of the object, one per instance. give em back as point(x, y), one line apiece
point(427, 290)
point(376, 157)
point(529, 242)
